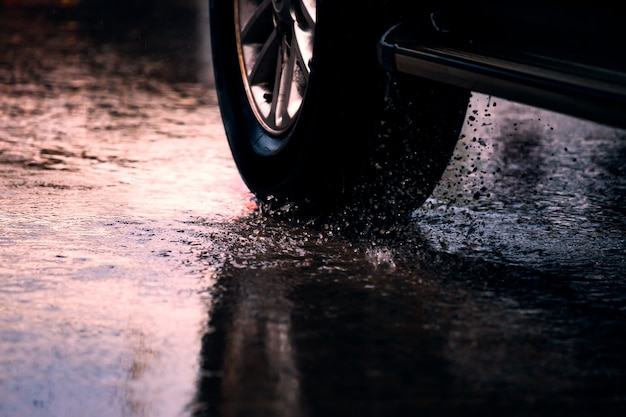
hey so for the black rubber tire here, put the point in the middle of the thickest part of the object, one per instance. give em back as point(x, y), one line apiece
point(362, 143)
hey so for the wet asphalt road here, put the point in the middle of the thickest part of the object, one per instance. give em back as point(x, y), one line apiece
point(138, 279)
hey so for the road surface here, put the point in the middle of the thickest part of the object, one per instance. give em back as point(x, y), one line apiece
point(137, 277)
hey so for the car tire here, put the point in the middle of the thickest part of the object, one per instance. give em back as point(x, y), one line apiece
point(349, 139)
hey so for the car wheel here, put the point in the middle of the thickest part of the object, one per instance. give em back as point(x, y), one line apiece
point(302, 99)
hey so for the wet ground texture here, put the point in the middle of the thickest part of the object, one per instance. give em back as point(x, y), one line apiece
point(137, 277)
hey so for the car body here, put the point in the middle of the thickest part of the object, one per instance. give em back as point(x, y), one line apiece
point(556, 55)
point(356, 105)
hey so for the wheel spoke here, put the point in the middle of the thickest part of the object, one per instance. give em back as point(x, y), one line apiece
point(304, 31)
point(302, 50)
point(263, 66)
point(256, 27)
point(285, 99)
point(304, 11)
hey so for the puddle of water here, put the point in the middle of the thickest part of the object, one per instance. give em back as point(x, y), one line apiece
point(97, 308)
point(102, 166)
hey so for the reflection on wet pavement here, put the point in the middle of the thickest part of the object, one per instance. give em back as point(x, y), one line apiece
point(304, 323)
point(137, 278)
point(105, 154)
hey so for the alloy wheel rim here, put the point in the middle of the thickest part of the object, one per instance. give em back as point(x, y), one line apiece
point(275, 47)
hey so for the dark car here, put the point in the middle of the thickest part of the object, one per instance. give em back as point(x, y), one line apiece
point(338, 104)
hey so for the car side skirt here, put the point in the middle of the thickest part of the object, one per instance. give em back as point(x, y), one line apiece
point(580, 89)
